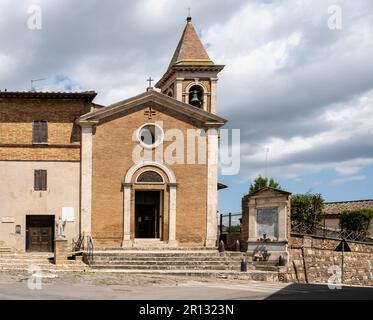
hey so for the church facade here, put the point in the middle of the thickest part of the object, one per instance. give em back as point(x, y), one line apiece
point(138, 172)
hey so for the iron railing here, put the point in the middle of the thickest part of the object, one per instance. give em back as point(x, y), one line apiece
point(84, 245)
point(230, 222)
point(304, 229)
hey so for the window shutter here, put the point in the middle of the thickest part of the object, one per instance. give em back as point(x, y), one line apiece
point(40, 132)
point(44, 131)
point(35, 132)
point(44, 180)
point(40, 180)
point(36, 180)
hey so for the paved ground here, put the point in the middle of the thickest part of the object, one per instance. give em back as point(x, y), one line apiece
point(147, 287)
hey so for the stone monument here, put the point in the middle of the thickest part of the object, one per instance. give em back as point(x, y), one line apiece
point(265, 229)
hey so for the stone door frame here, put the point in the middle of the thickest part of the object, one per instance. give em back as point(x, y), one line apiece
point(128, 204)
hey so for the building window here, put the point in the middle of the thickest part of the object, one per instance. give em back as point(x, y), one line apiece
point(150, 177)
point(40, 131)
point(150, 135)
point(196, 96)
point(40, 180)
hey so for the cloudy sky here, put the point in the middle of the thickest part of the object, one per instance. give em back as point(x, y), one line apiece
point(293, 85)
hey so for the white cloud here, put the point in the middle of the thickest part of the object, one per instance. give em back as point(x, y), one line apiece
point(290, 84)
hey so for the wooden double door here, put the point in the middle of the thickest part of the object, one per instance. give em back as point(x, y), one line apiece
point(39, 233)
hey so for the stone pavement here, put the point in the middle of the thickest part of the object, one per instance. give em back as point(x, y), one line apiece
point(148, 287)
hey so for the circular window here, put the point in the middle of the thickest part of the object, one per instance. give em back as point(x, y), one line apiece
point(150, 135)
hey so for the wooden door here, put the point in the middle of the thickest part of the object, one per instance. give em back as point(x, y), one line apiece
point(40, 239)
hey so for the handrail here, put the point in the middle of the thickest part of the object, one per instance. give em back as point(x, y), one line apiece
point(90, 250)
point(84, 244)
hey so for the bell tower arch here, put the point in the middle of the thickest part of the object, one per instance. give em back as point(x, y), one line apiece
point(191, 76)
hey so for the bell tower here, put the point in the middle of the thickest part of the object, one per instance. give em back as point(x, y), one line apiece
point(191, 76)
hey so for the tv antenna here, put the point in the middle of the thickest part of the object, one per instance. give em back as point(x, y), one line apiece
point(35, 80)
point(266, 166)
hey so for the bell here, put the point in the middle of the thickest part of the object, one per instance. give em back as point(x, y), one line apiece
point(195, 100)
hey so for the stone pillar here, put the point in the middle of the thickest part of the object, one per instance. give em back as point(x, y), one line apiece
point(127, 215)
point(282, 222)
point(212, 190)
point(179, 89)
point(252, 236)
point(172, 216)
point(214, 83)
point(86, 179)
point(61, 251)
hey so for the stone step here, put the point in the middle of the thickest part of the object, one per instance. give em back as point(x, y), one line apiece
point(165, 254)
point(25, 255)
point(5, 249)
point(161, 262)
point(144, 258)
point(32, 261)
point(163, 248)
point(165, 267)
point(221, 274)
point(43, 270)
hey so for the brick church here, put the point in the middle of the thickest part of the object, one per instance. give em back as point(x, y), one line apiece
point(64, 156)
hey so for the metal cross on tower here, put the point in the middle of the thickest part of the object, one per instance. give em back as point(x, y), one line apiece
point(150, 80)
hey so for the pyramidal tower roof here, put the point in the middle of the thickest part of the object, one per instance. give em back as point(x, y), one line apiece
point(190, 49)
point(190, 56)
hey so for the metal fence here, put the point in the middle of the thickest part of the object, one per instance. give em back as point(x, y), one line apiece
point(303, 229)
point(230, 222)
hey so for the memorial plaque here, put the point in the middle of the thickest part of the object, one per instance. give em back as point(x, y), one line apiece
point(8, 219)
point(267, 222)
point(68, 214)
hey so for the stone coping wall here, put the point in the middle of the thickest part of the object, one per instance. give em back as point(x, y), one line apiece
point(312, 260)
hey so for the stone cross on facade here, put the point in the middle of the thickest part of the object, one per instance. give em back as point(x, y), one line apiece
point(150, 113)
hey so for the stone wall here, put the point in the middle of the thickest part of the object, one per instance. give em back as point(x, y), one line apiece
point(311, 258)
point(18, 197)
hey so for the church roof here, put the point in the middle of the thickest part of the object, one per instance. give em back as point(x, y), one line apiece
point(86, 95)
point(190, 49)
point(190, 55)
point(156, 100)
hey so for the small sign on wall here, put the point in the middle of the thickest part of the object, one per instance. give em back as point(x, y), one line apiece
point(7, 219)
point(68, 214)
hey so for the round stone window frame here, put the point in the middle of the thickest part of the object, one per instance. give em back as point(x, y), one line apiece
point(156, 143)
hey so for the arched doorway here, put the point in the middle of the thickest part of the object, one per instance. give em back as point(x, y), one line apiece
point(149, 203)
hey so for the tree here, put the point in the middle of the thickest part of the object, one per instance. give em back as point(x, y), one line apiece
point(260, 183)
point(307, 209)
point(356, 220)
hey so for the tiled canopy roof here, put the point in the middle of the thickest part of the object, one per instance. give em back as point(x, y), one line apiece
point(333, 208)
point(86, 95)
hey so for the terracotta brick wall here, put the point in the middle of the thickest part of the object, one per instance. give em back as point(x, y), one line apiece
point(16, 117)
point(112, 157)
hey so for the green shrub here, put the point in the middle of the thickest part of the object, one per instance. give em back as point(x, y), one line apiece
point(356, 220)
point(307, 209)
point(260, 183)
